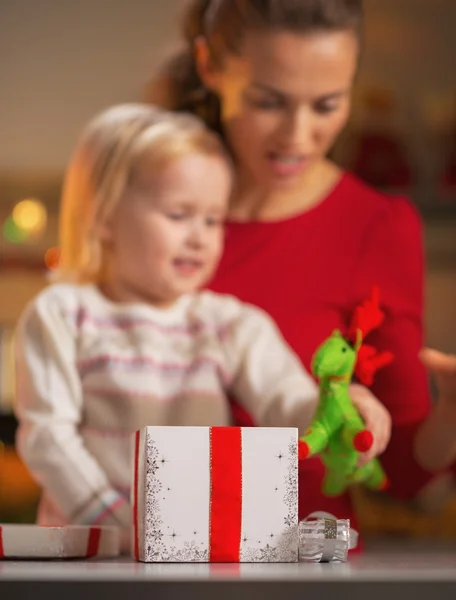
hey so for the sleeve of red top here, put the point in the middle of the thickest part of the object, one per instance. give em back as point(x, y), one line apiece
point(392, 257)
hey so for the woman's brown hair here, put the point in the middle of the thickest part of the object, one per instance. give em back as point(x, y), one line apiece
point(222, 23)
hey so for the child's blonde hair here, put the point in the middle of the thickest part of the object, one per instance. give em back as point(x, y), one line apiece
point(105, 163)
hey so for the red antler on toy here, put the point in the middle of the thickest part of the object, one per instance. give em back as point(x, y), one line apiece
point(367, 317)
point(369, 362)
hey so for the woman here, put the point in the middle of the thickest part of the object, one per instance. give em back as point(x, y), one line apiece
point(306, 241)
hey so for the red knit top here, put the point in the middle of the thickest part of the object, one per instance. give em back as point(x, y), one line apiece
point(309, 272)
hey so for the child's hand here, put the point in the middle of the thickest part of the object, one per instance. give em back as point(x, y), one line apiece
point(443, 367)
point(375, 416)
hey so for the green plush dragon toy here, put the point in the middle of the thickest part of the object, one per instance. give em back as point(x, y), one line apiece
point(338, 432)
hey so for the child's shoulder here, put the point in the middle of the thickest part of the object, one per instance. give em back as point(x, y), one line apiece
point(58, 298)
point(225, 308)
point(64, 295)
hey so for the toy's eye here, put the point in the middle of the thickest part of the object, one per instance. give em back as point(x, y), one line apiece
point(344, 349)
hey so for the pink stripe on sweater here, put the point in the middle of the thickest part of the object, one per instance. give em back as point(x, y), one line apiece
point(140, 395)
point(81, 317)
point(102, 360)
point(109, 510)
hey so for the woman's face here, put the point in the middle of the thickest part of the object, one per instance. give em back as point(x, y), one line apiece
point(285, 98)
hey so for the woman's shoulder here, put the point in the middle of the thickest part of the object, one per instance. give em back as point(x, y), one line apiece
point(371, 204)
point(382, 223)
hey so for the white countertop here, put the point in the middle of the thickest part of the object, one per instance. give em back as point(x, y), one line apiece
point(388, 571)
point(413, 561)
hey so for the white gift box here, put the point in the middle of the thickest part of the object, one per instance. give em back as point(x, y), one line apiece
point(215, 494)
point(70, 541)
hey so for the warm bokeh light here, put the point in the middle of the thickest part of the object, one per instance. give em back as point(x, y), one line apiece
point(30, 215)
point(52, 258)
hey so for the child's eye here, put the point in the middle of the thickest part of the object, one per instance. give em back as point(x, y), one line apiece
point(176, 216)
point(213, 221)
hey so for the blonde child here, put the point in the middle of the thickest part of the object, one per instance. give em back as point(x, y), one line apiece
point(125, 338)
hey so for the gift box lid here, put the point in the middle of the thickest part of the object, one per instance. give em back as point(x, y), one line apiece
point(69, 541)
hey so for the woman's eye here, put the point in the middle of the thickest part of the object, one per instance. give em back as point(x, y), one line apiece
point(325, 107)
point(267, 103)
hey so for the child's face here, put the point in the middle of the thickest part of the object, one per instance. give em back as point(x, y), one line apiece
point(166, 236)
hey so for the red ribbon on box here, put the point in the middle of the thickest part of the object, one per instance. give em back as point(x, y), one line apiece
point(135, 497)
point(225, 518)
point(226, 494)
point(93, 543)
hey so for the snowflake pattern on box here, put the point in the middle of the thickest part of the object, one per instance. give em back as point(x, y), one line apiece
point(157, 551)
point(286, 550)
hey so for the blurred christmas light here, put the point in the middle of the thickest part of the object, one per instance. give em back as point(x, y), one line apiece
point(30, 215)
point(12, 233)
point(52, 258)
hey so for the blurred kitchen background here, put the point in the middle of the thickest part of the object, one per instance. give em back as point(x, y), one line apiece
point(62, 61)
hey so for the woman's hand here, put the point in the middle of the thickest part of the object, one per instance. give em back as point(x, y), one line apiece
point(435, 442)
point(443, 367)
point(375, 416)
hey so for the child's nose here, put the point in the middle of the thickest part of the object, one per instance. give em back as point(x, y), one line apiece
point(198, 234)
